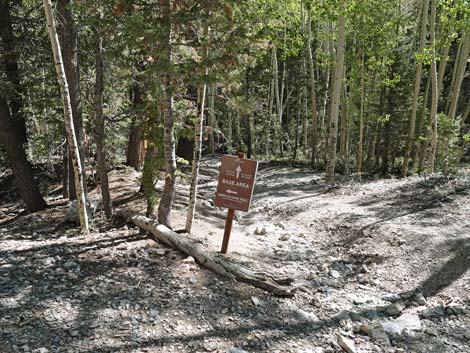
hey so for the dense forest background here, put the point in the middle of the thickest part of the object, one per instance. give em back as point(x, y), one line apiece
point(347, 86)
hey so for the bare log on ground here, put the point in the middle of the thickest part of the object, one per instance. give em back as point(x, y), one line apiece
point(214, 261)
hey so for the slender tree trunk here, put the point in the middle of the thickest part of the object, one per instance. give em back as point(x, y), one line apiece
point(69, 123)
point(168, 194)
point(211, 119)
point(417, 85)
point(268, 119)
point(459, 74)
point(197, 142)
point(344, 124)
point(313, 95)
point(420, 153)
point(434, 94)
point(361, 116)
point(99, 128)
point(70, 57)
point(442, 66)
point(335, 97)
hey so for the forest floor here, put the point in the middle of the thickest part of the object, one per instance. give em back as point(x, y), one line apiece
point(383, 265)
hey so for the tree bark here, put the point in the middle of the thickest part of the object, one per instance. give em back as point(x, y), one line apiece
point(335, 97)
point(417, 85)
point(434, 94)
point(216, 262)
point(10, 61)
point(168, 194)
point(313, 95)
point(11, 139)
point(361, 116)
point(459, 74)
point(69, 123)
point(197, 140)
point(70, 56)
point(99, 128)
point(211, 123)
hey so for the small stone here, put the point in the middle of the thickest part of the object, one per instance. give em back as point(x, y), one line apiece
point(436, 312)
point(41, 350)
point(343, 315)
point(280, 225)
point(284, 237)
point(261, 231)
point(356, 317)
point(335, 274)
point(347, 344)
point(394, 309)
point(25, 348)
point(431, 332)
point(420, 299)
point(74, 333)
point(255, 301)
point(159, 251)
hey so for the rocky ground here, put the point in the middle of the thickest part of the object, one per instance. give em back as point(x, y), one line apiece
point(382, 266)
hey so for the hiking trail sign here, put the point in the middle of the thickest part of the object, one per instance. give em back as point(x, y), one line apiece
point(236, 181)
point(235, 188)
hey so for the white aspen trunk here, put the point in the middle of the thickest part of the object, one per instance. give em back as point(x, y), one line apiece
point(197, 143)
point(335, 96)
point(421, 146)
point(417, 85)
point(459, 74)
point(434, 94)
point(211, 118)
point(361, 116)
point(313, 95)
point(69, 127)
point(442, 66)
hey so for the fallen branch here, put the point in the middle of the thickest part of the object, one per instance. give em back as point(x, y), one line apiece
point(215, 262)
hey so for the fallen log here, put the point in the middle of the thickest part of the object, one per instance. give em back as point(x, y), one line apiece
point(214, 261)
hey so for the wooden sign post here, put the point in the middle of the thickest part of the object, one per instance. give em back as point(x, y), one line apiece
point(235, 188)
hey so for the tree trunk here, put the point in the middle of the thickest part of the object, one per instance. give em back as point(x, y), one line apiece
point(211, 123)
point(335, 97)
point(417, 85)
point(11, 139)
point(69, 123)
point(434, 94)
point(168, 194)
point(421, 145)
point(216, 262)
point(136, 147)
point(313, 95)
point(10, 61)
point(70, 63)
point(344, 125)
point(361, 116)
point(99, 128)
point(459, 74)
point(198, 140)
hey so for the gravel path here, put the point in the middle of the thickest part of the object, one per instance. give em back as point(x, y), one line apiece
point(383, 267)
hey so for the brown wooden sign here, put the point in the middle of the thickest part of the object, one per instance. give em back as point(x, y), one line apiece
point(236, 180)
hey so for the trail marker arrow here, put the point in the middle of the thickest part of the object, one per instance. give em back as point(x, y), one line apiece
point(231, 192)
point(238, 170)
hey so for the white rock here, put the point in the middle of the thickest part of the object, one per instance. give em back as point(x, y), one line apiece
point(347, 344)
point(236, 350)
point(255, 301)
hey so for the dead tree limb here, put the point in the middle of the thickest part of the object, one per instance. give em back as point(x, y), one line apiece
point(214, 261)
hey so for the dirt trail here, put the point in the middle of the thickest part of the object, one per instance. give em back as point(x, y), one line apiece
point(364, 253)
